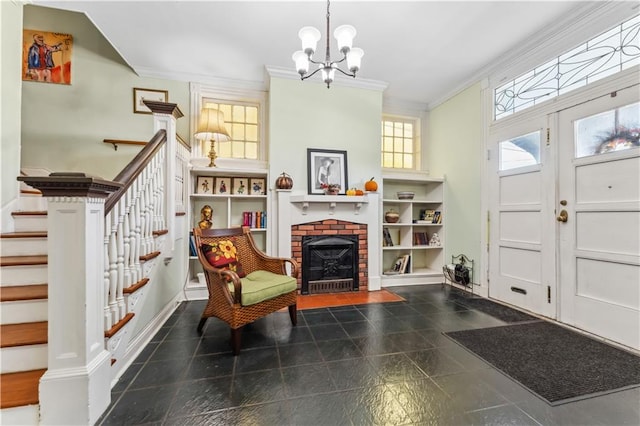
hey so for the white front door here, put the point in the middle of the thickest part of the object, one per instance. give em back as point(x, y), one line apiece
point(522, 244)
point(599, 197)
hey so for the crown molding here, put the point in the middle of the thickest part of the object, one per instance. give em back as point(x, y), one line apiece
point(396, 106)
point(359, 83)
point(206, 79)
point(588, 20)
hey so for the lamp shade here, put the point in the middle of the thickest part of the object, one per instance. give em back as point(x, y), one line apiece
point(344, 35)
point(302, 62)
point(354, 59)
point(211, 124)
point(310, 37)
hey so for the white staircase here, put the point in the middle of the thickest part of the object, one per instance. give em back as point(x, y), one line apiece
point(23, 313)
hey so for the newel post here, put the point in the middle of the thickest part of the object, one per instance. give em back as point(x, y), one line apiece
point(165, 116)
point(76, 387)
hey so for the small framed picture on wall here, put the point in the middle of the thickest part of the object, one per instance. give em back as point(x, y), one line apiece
point(256, 186)
point(204, 185)
point(222, 186)
point(240, 186)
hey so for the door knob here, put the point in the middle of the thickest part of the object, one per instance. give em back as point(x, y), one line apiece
point(563, 216)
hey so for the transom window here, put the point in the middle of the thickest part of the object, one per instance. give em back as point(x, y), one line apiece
point(606, 54)
point(399, 137)
point(242, 122)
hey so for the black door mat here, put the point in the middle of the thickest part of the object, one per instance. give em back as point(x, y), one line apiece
point(503, 313)
point(557, 364)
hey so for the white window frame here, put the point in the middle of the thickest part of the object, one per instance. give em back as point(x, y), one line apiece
point(417, 141)
point(252, 97)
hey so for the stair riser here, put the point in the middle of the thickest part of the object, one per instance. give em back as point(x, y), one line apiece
point(23, 358)
point(25, 415)
point(23, 311)
point(32, 202)
point(34, 223)
point(23, 246)
point(22, 275)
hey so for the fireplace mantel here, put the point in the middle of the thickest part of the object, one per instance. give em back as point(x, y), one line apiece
point(331, 200)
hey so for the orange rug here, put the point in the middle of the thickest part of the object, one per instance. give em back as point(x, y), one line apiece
point(314, 301)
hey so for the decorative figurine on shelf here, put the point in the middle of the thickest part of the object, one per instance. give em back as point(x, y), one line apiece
point(435, 240)
point(206, 221)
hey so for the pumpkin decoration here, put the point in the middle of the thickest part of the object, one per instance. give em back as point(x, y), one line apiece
point(371, 185)
point(359, 192)
point(351, 192)
point(284, 181)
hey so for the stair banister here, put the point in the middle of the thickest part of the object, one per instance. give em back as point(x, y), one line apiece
point(98, 232)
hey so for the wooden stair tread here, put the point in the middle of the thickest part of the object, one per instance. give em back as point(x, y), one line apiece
point(27, 333)
point(30, 213)
point(36, 234)
point(31, 191)
point(23, 260)
point(24, 292)
point(18, 389)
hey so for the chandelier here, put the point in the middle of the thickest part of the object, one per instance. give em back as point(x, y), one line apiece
point(344, 35)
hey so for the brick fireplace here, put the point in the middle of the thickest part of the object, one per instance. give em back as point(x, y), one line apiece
point(297, 215)
point(326, 228)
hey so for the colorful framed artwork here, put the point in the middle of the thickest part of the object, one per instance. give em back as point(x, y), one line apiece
point(204, 185)
point(223, 186)
point(140, 95)
point(240, 186)
point(256, 186)
point(326, 168)
point(46, 56)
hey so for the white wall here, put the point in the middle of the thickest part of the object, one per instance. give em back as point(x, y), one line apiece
point(454, 149)
point(63, 126)
point(308, 115)
point(10, 98)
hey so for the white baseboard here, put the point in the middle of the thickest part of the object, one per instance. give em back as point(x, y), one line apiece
point(24, 415)
point(137, 344)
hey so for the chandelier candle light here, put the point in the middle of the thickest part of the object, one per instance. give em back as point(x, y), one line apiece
point(310, 36)
point(210, 126)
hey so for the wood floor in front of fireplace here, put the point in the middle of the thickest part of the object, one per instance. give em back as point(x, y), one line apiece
point(314, 301)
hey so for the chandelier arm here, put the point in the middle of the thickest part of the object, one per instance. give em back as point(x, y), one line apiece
point(344, 58)
point(310, 75)
point(346, 73)
point(316, 62)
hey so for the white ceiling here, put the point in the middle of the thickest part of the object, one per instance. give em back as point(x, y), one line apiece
point(422, 49)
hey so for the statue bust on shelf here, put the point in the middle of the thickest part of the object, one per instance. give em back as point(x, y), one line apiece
point(206, 221)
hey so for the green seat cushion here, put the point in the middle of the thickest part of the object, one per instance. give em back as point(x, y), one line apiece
point(259, 286)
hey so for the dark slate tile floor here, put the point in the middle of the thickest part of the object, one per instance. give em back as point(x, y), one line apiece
point(355, 365)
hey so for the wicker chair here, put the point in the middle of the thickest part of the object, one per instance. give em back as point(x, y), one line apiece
point(225, 287)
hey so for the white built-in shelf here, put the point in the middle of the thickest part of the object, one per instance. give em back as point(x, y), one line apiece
point(225, 196)
point(331, 200)
point(193, 257)
point(223, 171)
point(412, 201)
point(412, 248)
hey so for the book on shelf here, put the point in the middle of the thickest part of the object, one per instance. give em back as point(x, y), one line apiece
point(402, 265)
point(192, 245)
point(386, 238)
point(420, 239)
point(255, 220)
point(406, 264)
point(429, 216)
point(437, 217)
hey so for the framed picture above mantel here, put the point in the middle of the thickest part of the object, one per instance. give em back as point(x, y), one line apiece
point(326, 168)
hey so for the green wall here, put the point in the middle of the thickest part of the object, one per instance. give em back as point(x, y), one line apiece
point(308, 115)
point(10, 51)
point(454, 149)
point(63, 126)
